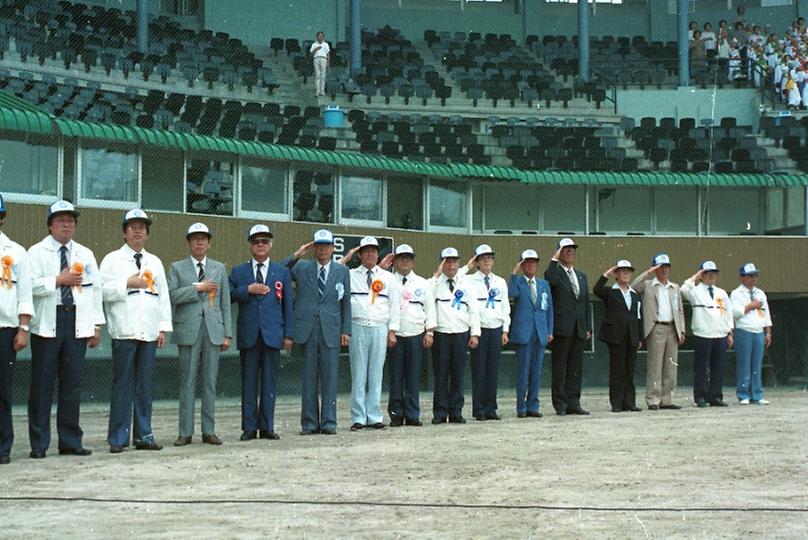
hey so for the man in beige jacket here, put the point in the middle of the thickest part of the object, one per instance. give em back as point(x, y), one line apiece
point(664, 330)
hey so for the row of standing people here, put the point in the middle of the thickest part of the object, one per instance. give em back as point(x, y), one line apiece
point(57, 294)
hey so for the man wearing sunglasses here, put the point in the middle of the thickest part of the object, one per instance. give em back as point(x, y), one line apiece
point(263, 290)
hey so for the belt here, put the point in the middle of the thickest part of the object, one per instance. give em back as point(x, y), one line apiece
point(664, 322)
point(66, 308)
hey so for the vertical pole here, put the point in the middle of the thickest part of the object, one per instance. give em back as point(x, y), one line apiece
point(356, 37)
point(583, 40)
point(682, 42)
point(143, 26)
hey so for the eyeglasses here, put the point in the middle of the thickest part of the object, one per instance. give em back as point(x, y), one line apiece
point(261, 241)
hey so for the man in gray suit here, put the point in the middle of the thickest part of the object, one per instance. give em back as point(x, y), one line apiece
point(663, 317)
point(322, 325)
point(202, 327)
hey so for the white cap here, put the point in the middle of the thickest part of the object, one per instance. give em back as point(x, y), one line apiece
point(198, 228)
point(261, 229)
point(566, 242)
point(483, 249)
point(529, 254)
point(623, 263)
point(323, 236)
point(61, 207)
point(136, 213)
point(449, 253)
point(749, 269)
point(660, 258)
point(405, 249)
point(708, 266)
point(369, 241)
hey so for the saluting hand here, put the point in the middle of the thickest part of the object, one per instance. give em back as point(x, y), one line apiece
point(348, 256)
point(472, 264)
point(517, 268)
point(652, 270)
point(387, 262)
point(611, 272)
point(557, 254)
point(303, 250)
point(439, 271)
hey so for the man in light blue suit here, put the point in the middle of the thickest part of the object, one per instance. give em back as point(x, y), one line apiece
point(531, 330)
point(263, 290)
point(322, 325)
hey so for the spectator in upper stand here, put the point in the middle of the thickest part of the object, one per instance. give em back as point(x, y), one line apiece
point(723, 28)
point(740, 14)
point(320, 50)
point(692, 28)
point(698, 54)
point(709, 39)
point(723, 45)
point(756, 38)
point(795, 76)
point(735, 66)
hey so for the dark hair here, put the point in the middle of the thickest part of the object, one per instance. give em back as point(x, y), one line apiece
point(50, 217)
point(691, 23)
point(706, 25)
point(125, 223)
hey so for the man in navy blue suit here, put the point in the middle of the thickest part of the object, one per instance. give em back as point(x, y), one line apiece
point(531, 330)
point(263, 290)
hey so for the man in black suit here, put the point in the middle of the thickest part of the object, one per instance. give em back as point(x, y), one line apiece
point(621, 331)
point(571, 327)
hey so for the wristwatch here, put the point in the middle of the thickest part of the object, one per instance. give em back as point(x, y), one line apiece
point(25, 328)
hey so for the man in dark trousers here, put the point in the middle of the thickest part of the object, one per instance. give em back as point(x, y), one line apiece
point(263, 290)
point(621, 331)
point(322, 326)
point(571, 327)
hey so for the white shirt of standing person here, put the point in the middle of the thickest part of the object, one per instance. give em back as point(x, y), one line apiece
point(322, 52)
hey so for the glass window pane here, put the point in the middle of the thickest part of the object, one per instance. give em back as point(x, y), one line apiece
point(795, 216)
point(623, 210)
point(361, 198)
point(775, 209)
point(511, 207)
point(734, 211)
point(677, 210)
point(477, 208)
point(447, 204)
point(209, 186)
point(405, 203)
point(162, 171)
point(313, 196)
point(108, 173)
point(263, 188)
point(563, 209)
point(28, 164)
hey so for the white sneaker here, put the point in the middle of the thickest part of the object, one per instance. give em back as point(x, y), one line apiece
point(744, 402)
point(762, 402)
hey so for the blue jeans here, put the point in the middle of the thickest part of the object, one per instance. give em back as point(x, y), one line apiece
point(132, 378)
point(368, 349)
point(529, 360)
point(749, 358)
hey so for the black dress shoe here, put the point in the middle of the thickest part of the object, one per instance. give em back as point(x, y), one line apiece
point(535, 414)
point(413, 422)
point(151, 445)
point(457, 420)
point(439, 420)
point(378, 425)
point(578, 410)
point(561, 413)
point(719, 403)
point(492, 417)
point(37, 454)
point(633, 408)
point(521, 415)
point(653, 407)
point(183, 441)
point(115, 449)
point(356, 426)
point(269, 435)
point(5, 460)
point(211, 438)
point(479, 417)
point(396, 421)
point(617, 409)
point(671, 407)
point(328, 431)
point(80, 451)
point(701, 404)
point(308, 431)
point(248, 435)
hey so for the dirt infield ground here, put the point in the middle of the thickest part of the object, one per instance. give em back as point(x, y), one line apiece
point(691, 473)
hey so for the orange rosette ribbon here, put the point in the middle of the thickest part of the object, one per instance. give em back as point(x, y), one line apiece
point(721, 306)
point(77, 268)
point(211, 296)
point(279, 290)
point(149, 277)
point(5, 278)
point(375, 288)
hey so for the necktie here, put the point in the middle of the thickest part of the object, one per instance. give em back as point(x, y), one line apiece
point(752, 295)
point(487, 283)
point(451, 285)
point(370, 278)
point(138, 256)
point(533, 295)
point(404, 280)
point(201, 273)
point(712, 294)
point(321, 281)
point(259, 276)
point(67, 294)
point(573, 282)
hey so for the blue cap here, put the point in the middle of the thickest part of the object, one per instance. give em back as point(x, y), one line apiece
point(708, 266)
point(323, 236)
point(61, 207)
point(136, 214)
point(748, 269)
point(661, 258)
point(2, 205)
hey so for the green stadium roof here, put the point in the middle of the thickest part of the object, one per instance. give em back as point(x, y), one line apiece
point(19, 115)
